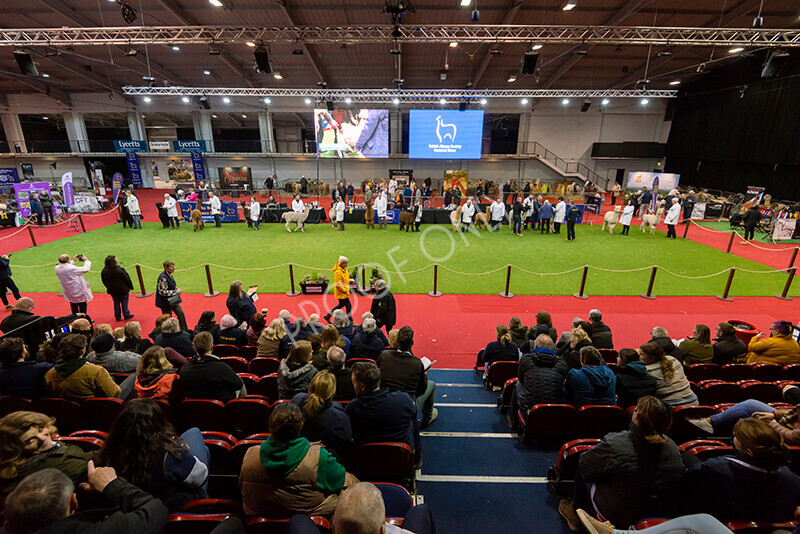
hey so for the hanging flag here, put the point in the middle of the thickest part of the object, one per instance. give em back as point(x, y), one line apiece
point(654, 190)
point(67, 188)
point(133, 168)
point(116, 185)
point(199, 168)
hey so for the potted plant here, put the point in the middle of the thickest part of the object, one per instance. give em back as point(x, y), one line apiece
point(354, 278)
point(314, 283)
point(373, 279)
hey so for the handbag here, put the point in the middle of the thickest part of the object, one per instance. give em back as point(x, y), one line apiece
point(174, 300)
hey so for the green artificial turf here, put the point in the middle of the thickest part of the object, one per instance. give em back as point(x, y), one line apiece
point(234, 245)
point(760, 237)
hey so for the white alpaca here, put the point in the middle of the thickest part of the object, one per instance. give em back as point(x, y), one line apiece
point(610, 219)
point(651, 220)
point(298, 217)
point(440, 125)
point(455, 218)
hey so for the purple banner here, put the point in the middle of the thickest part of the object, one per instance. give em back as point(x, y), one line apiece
point(23, 193)
point(116, 185)
point(654, 200)
point(68, 189)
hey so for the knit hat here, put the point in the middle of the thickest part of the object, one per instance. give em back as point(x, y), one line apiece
point(103, 343)
point(227, 321)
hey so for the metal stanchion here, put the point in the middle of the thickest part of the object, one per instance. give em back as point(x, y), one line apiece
point(794, 256)
point(142, 293)
point(80, 219)
point(211, 292)
point(293, 292)
point(435, 292)
point(730, 242)
point(580, 294)
point(785, 294)
point(649, 294)
point(724, 295)
point(686, 230)
point(506, 294)
point(33, 239)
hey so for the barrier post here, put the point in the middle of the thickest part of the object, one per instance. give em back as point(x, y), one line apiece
point(686, 230)
point(33, 239)
point(364, 287)
point(142, 293)
point(81, 221)
point(506, 294)
point(293, 292)
point(791, 262)
point(435, 292)
point(211, 292)
point(785, 294)
point(581, 294)
point(724, 295)
point(730, 242)
point(649, 294)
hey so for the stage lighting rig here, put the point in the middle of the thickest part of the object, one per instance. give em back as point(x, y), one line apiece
point(128, 13)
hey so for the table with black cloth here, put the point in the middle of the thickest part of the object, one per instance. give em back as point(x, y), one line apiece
point(273, 215)
point(8, 218)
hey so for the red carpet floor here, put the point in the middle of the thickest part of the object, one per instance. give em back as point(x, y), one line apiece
point(452, 328)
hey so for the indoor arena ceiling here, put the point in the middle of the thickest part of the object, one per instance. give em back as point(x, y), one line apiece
point(355, 64)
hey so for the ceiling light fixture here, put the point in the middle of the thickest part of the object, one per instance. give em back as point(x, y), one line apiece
point(483, 101)
point(645, 101)
point(176, 48)
point(46, 118)
point(396, 101)
point(537, 46)
point(524, 101)
point(206, 72)
point(512, 78)
point(268, 101)
point(244, 116)
point(605, 101)
point(226, 100)
point(45, 75)
point(308, 100)
point(148, 99)
point(565, 102)
point(251, 44)
point(442, 101)
point(213, 116)
point(569, 5)
point(453, 44)
point(348, 100)
point(465, 3)
point(675, 82)
point(277, 75)
point(215, 3)
point(736, 50)
point(186, 99)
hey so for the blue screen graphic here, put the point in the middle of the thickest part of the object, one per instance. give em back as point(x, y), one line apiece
point(445, 134)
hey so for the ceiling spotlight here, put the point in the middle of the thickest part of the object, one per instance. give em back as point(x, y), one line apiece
point(569, 5)
point(645, 101)
point(701, 68)
point(128, 14)
point(308, 100)
point(244, 116)
point(148, 99)
point(130, 52)
point(667, 52)
point(204, 102)
point(443, 75)
point(176, 48)
point(605, 101)
point(395, 51)
point(453, 44)
point(442, 101)
point(582, 51)
point(495, 51)
point(46, 118)
point(524, 101)
point(348, 100)
point(565, 102)
point(736, 50)
point(45, 75)
point(277, 75)
point(537, 46)
point(226, 100)
point(213, 116)
point(396, 101)
point(465, 3)
point(186, 99)
point(298, 52)
point(675, 82)
point(206, 72)
point(268, 101)
point(213, 50)
point(251, 44)
point(512, 78)
point(215, 3)
point(483, 101)
point(758, 22)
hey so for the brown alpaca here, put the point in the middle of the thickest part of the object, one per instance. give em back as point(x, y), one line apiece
point(197, 220)
point(406, 219)
point(369, 217)
point(482, 219)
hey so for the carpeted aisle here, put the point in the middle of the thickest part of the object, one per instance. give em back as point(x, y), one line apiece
point(453, 328)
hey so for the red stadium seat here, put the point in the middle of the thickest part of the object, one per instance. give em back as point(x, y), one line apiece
point(213, 506)
point(268, 386)
point(248, 352)
point(102, 412)
point(562, 477)
point(609, 355)
point(250, 382)
point(704, 452)
point(224, 436)
point(68, 414)
point(763, 391)
point(351, 361)
point(384, 462)
point(767, 372)
point(750, 527)
point(647, 523)
point(237, 363)
point(498, 373)
point(193, 523)
point(15, 404)
point(87, 444)
point(224, 350)
point(504, 400)
point(733, 372)
point(719, 392)
point(221, 457)
point(240, 449)
point(248, 416)
point(791, 372)
point(397, 499)
point(546, 421)
point(702, 371)
point(205, 414)
point(794, 458)
point(99, 434)
point(595, 420)
point(264, 366)
point(270, 525)
point(683, 431)
point(683, 447)
point(119, 378)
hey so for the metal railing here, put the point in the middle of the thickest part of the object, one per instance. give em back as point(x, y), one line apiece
point(566, 167)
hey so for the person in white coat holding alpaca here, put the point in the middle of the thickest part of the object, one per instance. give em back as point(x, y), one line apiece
point(379, 205)
point(672, 217)
point(133, 208)
point(171, 205)
point(626, 217)
point(558, 215)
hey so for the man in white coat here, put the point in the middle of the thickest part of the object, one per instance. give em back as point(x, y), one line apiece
point(73, 285)
point(528, 205)
point(134, 209)
point(379, 205)
point(498, 211)
point(671, 219)
point(340, 214)
point(467, 212)
point(172, 211)
point(297, 205)
point(255, 212)
point(216, 208)
point(626, 217)
point(558, 215)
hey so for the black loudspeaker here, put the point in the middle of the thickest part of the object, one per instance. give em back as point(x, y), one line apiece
point(329, 105)
point(26, 64)
point(529, 61)
point(775, 62)
point(462, 106)
point(262, 60)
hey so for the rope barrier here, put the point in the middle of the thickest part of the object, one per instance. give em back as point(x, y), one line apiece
point(246, 269)
point(101, 214)
point(547, 274)
point(21, 229)
point(622, 270)
point(471, 274)
point(779, 247)
point(771, 271)
point(694, 277)
point(35, 266)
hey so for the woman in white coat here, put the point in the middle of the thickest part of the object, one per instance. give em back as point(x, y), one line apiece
point(558, 215)
point(626, 217)
point(216, 208)
point(134, 209)
point(73, 285)
point(172, 211)
point(379, 205)
point(255, 211)
point(671, 219)
point(339, 208)
point(467, 212)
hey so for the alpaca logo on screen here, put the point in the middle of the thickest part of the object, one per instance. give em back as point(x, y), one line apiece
point(442, 126)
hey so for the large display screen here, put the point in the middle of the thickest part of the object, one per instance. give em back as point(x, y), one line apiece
point(352, 133)
point(445, 134)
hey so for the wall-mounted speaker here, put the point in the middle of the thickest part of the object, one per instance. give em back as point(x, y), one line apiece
point(26, 64)
point(261, 56)
point(529, 61)
point(329, 105)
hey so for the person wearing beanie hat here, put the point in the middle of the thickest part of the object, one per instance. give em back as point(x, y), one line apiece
point(115, 361)
point(229, 333)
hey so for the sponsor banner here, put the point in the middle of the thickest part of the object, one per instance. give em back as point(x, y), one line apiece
point(456, 178)
point(134, 169)
point(230, 211)
point(85, 203)
point(235, 177)
point(23, 193)
point(198, 167)
point(8, 177)
point(159, 145)
point(27, 170)
point(445, 134)
point(663, 181)
point(116, 185)
point(784, 229)
point(68, 189)
point(130, 146)
point(189, 146)
point(403, 176)
point(753, 195)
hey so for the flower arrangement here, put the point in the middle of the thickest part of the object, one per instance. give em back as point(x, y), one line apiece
point(314, 278)
point(375, 276)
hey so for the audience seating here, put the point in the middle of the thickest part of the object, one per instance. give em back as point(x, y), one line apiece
point(681, 430)
point(704, 452)
point(396, 498)
point(119, 378)
point(241, 446)
point(595, 420)
point(221, 451)
point(99, 434)
point(504, 400)
point(15, 404)
point(223, 350)
point(733, 372)
point(609, 355)
point(264, 366)
point(88, 444)
point(248, 352)
point(647, 523)
point(183, 523)
point(385, 462)
point(268, 386)
point(248, 416)
point(684, 447)
point(791, 372)
point(562, 476)
point(68, 414)
point(237, 363)
point(702, 371)
point(763, 391)
point(715, 392)
point(547, 421)
point(268, 525)
point(351, 361)
point(205, 414)
point(102, 412)
point(498, 373)
point(213, 506)
point(794, 458)
point(750, 527)
point(250, 382)
point(767, 372)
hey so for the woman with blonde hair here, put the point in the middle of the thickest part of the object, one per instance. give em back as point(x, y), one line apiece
point(630, 475)
point(240, 304)
point(393, 333)
point(156, 378)
point(296, 371)
point(269, 342)
point(671, 384)
point(325, 421)
point(27, 446)
point(133, 341)
point(501, 350)
point(578, 339)
point(331, 337)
